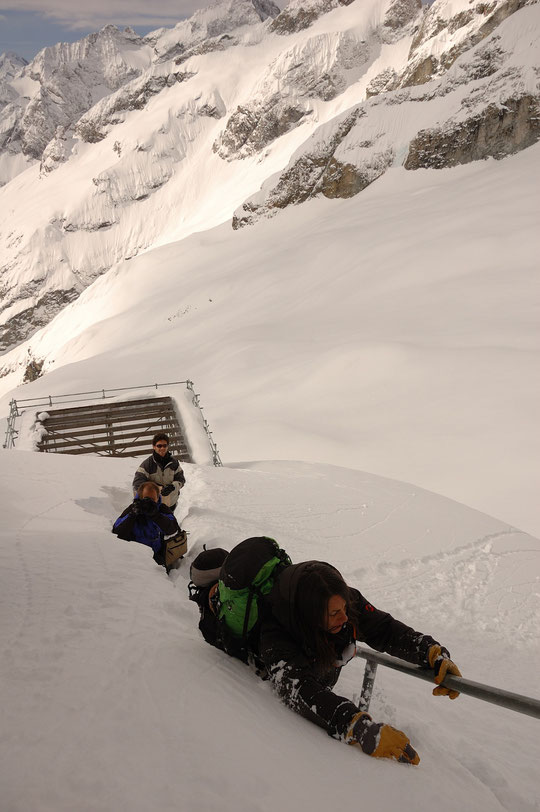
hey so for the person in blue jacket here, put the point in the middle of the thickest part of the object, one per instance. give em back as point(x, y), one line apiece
point(148, 521)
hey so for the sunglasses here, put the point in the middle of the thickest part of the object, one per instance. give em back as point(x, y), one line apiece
point(161, 445)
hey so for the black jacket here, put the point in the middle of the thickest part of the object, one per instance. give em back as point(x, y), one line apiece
point(294, 672)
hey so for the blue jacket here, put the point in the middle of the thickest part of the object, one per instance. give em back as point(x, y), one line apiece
point(132, 525)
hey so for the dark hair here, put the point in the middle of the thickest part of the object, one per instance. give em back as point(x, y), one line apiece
point(160, 436)
point(147, 484)
point(315, 587)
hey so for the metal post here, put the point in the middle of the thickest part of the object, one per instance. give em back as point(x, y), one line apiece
point(367, 686)
point(9, 442)
point(497, 696)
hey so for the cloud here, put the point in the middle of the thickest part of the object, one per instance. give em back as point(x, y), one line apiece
point(101, 12)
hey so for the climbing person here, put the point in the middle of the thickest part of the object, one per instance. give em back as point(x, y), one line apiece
point(148, 521)
point(298, 624)
point(163, 469)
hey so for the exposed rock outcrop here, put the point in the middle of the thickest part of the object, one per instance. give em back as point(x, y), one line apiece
point(345, 157)
point(497, 131)
point(10, 66)
point(68, 79)
point(320, 170)
point(249, 130)
point(438, 23)
point(56, 152)
point(401, 13)
point(33, 370)
point(300, 14)
point(387, 79)
point(297, 76)
point(27, 321)
point(210, 28)
point(93, 126)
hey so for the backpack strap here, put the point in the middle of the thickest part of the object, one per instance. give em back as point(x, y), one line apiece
point(248, 611)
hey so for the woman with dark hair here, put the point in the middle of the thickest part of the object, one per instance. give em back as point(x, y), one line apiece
point(307, 628)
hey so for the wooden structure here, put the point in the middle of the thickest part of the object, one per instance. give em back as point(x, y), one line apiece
point(117, 429)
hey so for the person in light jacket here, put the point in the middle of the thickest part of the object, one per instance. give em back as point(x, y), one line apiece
point(163, 469)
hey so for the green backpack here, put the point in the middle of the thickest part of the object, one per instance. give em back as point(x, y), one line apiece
point(249, 572)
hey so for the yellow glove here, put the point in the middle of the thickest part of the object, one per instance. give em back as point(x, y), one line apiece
point(380, 741)
point(395, 744)
point(439, 660)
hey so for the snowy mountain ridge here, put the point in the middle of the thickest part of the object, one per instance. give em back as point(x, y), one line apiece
point(270, 108)
point(64, 81)
point(10, 65)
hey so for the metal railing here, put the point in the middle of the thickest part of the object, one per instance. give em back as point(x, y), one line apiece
point(11, 432)
point(497, 696)
point(17, 406)
point(196, 402)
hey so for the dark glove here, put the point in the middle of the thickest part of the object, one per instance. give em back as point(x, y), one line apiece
point(380, 741)
point(167, 489)
point(149, 507)
point(136, 507)
point(439, 660)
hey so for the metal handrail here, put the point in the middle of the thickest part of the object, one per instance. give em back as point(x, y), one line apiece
point(196, 401)
point(47, 400)
point(488, 693)
point(74, 397)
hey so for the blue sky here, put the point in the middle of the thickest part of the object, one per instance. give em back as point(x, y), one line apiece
point(27, 26)
point(26, 33)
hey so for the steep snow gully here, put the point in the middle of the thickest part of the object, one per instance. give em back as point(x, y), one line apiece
point(111, 699)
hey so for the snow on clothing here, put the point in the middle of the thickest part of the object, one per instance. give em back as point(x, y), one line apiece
point(163, 471)
point(277, 645)
point(293, 670)
point(149, 530)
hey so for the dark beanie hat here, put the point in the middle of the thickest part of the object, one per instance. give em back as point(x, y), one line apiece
point(206, 567)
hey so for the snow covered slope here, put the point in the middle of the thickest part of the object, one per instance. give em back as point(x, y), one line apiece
point(111, 700)
point(395, 332)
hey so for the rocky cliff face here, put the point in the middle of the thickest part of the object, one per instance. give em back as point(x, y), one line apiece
point(495, 131)
point(321, 169)
point(300, 14)
point(72, 97)
point(61, 84)
point(154, 138)
point(10, 66)
point(464, 80)
point(209, 28)
point(319, 68)
point(46, 102)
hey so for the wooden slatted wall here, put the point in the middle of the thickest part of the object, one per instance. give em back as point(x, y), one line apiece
point(118, 429)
